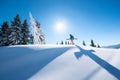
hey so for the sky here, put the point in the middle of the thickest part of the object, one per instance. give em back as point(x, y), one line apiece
point(85, 19)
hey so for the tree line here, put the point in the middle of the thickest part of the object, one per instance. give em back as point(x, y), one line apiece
point(64, 43)
point(92, 44)
point(15, 33)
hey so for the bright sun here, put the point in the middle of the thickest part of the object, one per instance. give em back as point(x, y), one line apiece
point(60, 27)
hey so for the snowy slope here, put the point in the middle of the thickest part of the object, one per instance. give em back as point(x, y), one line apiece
point(116, 46)
point(53, 62)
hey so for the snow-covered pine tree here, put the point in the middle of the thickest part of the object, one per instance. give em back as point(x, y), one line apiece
point(65, 42)
point(30, 39)
point(92, 44)
point(41, 35)
point(98, 46)
point(15, 31)
point(25, 32)
point(68, 43)
point(62, 43)
point(84, 43)
point(4, 33)
point(38, 36)
point(0, 37)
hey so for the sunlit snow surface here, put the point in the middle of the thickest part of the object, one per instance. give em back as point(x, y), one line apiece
point(56, 62)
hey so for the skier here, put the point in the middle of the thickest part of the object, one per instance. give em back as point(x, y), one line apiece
point(72, 39)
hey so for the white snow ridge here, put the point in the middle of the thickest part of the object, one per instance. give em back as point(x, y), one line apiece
point(56, 62)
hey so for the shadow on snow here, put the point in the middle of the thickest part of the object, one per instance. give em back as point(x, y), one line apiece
point(15, 65)
point(111, 69)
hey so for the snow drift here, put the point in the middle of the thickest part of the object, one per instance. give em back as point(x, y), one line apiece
point(53, 62)
point(117, 46)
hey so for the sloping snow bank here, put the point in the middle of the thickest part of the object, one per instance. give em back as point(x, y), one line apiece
point(22, 62)
point(56, 62)
point(74, 65)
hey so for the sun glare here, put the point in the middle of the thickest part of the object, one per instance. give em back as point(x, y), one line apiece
point(60, 27)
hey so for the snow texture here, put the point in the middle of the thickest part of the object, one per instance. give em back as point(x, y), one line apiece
point(56, 62)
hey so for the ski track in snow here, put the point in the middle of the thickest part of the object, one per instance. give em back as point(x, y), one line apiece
point(55, 62)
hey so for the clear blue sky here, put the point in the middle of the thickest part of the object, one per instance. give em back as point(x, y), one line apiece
point(85, 19)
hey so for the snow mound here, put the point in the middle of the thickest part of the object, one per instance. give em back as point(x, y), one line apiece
point(55, 62)
point(117, 46)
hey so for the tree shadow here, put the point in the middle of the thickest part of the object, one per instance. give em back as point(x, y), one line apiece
point(111, 69)
point(16, 65)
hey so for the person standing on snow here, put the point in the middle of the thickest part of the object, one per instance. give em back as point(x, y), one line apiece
point(72, 39)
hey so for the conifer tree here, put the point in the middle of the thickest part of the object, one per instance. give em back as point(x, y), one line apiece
point(98, 46)
point(68, 43)
point(25, 32)
point(92, 44)
point(84, 43)
point(65, 42)
point(0, 37)
point(15, 32)
point(62, 43)
point(30, 38)
point(38, 36)
point(5, 33)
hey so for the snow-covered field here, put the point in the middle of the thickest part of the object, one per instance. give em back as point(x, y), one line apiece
point(56, 62)
point(116, 46)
